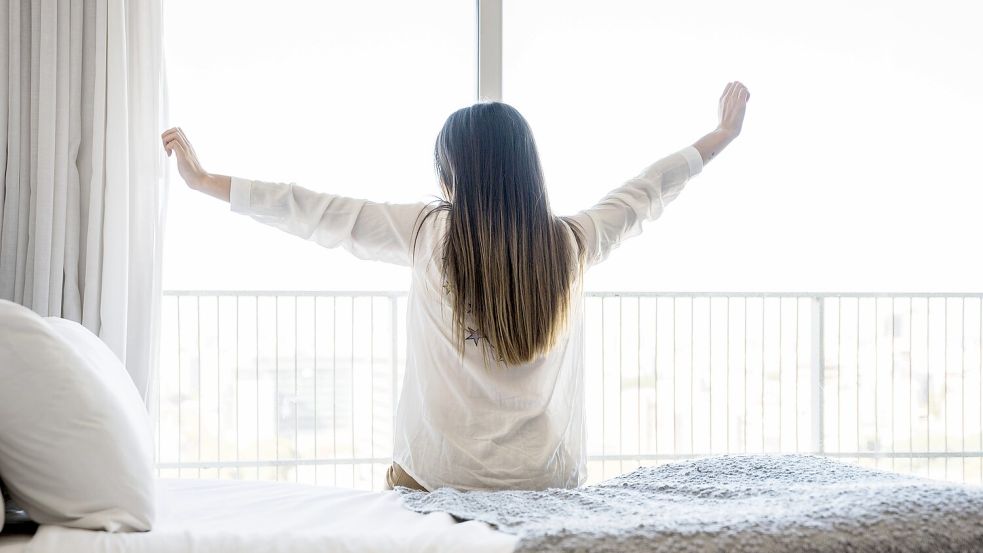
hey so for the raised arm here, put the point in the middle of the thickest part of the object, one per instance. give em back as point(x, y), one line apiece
point(369, 230)
point(622, 212)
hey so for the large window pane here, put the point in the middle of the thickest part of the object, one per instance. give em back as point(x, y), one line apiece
point(855, 169)
point(343, 97)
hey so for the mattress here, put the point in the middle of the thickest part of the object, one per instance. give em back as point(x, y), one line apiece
point(208, 516)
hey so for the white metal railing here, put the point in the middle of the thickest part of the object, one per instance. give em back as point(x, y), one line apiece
point(303, 385)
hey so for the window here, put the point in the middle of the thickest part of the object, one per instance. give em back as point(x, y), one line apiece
point(854, 171)
point(345, 97)
point(853, 174)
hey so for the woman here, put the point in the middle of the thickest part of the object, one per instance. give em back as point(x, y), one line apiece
point(493, 395)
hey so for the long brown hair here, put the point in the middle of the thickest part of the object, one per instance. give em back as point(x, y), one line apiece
point(507, 262)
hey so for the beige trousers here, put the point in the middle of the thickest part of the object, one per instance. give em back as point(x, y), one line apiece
point(396, 476)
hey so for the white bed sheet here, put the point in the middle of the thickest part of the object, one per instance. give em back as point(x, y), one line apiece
point(210, 516)
point(14, 544)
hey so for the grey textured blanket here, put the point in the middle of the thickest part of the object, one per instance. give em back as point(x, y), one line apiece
point(731, 503)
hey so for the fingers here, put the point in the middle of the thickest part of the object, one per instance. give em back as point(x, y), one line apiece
point(177, 143)
point(175, 139)
point(735, 91)
point(171, 142)
point(175, 134)
point(166, 138)
point(171, 131)
point(187, 143)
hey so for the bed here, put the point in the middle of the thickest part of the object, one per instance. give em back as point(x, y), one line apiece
point(743, 503)
point(209, 516)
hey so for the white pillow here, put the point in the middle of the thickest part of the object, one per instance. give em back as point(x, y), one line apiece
point(75, 438)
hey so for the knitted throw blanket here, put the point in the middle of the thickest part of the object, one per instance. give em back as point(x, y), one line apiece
point(734, 503)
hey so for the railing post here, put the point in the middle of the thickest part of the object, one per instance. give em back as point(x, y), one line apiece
point(817, 367)
point(394, 352)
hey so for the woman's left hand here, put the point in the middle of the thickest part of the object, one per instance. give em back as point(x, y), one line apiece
point(733, 103)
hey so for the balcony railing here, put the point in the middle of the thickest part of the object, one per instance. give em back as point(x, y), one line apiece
point(302, 386)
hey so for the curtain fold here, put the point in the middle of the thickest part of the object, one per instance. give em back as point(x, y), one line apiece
point(81, 168)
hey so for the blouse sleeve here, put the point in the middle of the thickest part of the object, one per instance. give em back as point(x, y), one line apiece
point(620, 214)
point(369, 230)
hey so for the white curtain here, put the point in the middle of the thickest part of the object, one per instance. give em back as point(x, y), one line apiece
point(81, 169)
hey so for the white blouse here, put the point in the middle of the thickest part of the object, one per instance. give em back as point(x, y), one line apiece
point(459, 423)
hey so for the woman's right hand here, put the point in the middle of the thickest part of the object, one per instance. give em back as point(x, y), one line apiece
point(733, 103)
point(187, 160)
point(189, 167)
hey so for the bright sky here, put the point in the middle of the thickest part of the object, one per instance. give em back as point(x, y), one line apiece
point(855, 171)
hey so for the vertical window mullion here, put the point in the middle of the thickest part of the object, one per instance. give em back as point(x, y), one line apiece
point(489, 35)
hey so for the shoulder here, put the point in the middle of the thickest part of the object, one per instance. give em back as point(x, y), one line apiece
point(429, 229)
point(580, 230)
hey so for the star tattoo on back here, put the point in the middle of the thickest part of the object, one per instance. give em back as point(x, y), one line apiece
point(473, 335)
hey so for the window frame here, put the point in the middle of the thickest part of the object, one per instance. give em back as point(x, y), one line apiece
point(488, 80)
